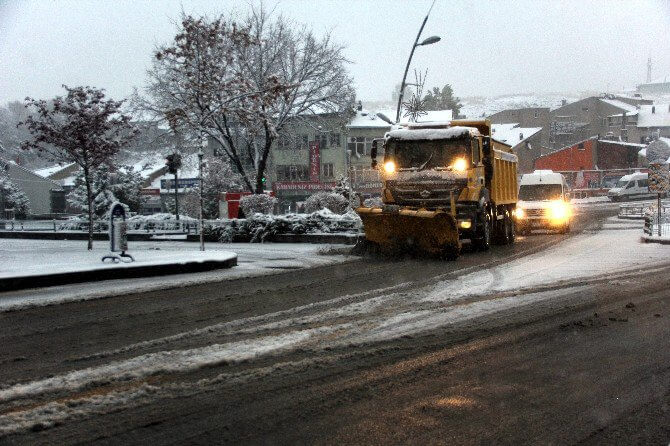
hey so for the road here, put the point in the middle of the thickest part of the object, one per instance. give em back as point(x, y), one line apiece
point(369, 351)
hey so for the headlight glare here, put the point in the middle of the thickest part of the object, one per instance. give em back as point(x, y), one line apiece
point(459, 165)
point(389, 167)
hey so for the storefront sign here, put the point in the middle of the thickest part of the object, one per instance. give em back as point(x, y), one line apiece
point(302, 185)
point(314, 161)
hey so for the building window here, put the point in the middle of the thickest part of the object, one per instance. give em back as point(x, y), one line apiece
point(292, 173)
point(327, 170)
point(322, 139)
point(335, 139)
point(580, 146)
point(304, 143)
point(535, 115)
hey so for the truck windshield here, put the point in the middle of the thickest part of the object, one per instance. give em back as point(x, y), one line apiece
point(540, 192)
point(427, 154)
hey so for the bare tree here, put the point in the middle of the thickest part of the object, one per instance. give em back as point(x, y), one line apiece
point(83, 128)
point(242, 83)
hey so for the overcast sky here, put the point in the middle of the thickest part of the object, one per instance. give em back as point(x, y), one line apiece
point(487, 48)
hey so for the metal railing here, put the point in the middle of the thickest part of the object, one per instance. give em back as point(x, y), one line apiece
point(137, 226)
point(655, 227)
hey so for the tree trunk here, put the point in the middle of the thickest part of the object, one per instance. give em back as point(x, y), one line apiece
point(89, 196)
point(262, 163)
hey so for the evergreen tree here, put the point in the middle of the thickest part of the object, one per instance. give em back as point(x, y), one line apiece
point(443, 99)
point(13, 198)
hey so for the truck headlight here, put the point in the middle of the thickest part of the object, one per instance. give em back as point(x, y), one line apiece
point(459, 165)
point(389, 167)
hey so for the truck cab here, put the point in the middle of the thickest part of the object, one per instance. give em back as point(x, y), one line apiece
point(443, 183)
point(630, 187)
point(544, 202)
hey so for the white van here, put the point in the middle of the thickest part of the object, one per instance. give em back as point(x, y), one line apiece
point(544, 202)
point(630, 187)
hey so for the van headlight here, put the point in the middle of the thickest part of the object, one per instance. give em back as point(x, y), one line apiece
point(559, 211)
point(520, 214)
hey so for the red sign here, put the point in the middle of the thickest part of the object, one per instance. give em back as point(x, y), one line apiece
point(314, 161)
point(303, 185)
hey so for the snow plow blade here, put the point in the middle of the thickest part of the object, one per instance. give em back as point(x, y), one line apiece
point(431, 232)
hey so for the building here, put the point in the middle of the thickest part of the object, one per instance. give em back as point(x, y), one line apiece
point(524, 141)
point(593, 162)
point(309, 156)
point(531, 117)
point(589, 117)
point(46, 196)
point(659, 86)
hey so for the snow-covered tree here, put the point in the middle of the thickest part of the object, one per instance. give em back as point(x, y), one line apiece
point(257, 204)
point(11, 197)
point(241, 82)
point(218, 178)
point(123, 184)
point(332, 201)
point(83, 128)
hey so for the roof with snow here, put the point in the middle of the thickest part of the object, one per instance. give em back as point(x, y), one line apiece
point(48, 171)
point(511, 134)
point(620, 104)
point(369, 119)
point(659, 118)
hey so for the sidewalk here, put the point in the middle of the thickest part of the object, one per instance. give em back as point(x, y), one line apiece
point(33, 264)
point(179, 264)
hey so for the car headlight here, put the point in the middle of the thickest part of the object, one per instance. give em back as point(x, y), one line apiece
point(520, 214)
point(459, 165)
point(389, 167)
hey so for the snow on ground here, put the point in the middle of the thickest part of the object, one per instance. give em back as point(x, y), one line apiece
point(38, 257)
point(252, 260)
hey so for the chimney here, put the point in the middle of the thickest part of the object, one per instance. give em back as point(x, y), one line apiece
point(564, 101)
point(520, 135)
point(653, 109)
point(359, 106)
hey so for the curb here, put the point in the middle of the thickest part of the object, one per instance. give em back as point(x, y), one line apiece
point(647, 239)
point(342, 238)
point(126, 272)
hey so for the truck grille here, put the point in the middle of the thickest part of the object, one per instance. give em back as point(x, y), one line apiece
point(420, 193)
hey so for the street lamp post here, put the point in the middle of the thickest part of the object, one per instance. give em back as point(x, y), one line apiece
point(200, 155)
point(427, 41)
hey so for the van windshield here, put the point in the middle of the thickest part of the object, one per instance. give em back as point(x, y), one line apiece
point(621, 183)
point(540, 192)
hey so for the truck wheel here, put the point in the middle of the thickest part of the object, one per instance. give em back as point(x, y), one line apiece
point(511, 231)
point(483, 242)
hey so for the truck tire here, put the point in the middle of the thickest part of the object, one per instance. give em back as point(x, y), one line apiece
point(483, 241)
point(511, 234)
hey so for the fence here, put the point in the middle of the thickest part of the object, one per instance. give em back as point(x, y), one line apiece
point(651, 221)
point(137, 226)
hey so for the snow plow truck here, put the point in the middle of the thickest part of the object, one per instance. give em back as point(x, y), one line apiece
point(442, 183)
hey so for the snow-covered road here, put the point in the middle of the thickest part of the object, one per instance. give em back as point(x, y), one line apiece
point(463, 295)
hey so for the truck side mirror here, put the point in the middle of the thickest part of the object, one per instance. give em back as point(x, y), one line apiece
point(373, 153)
